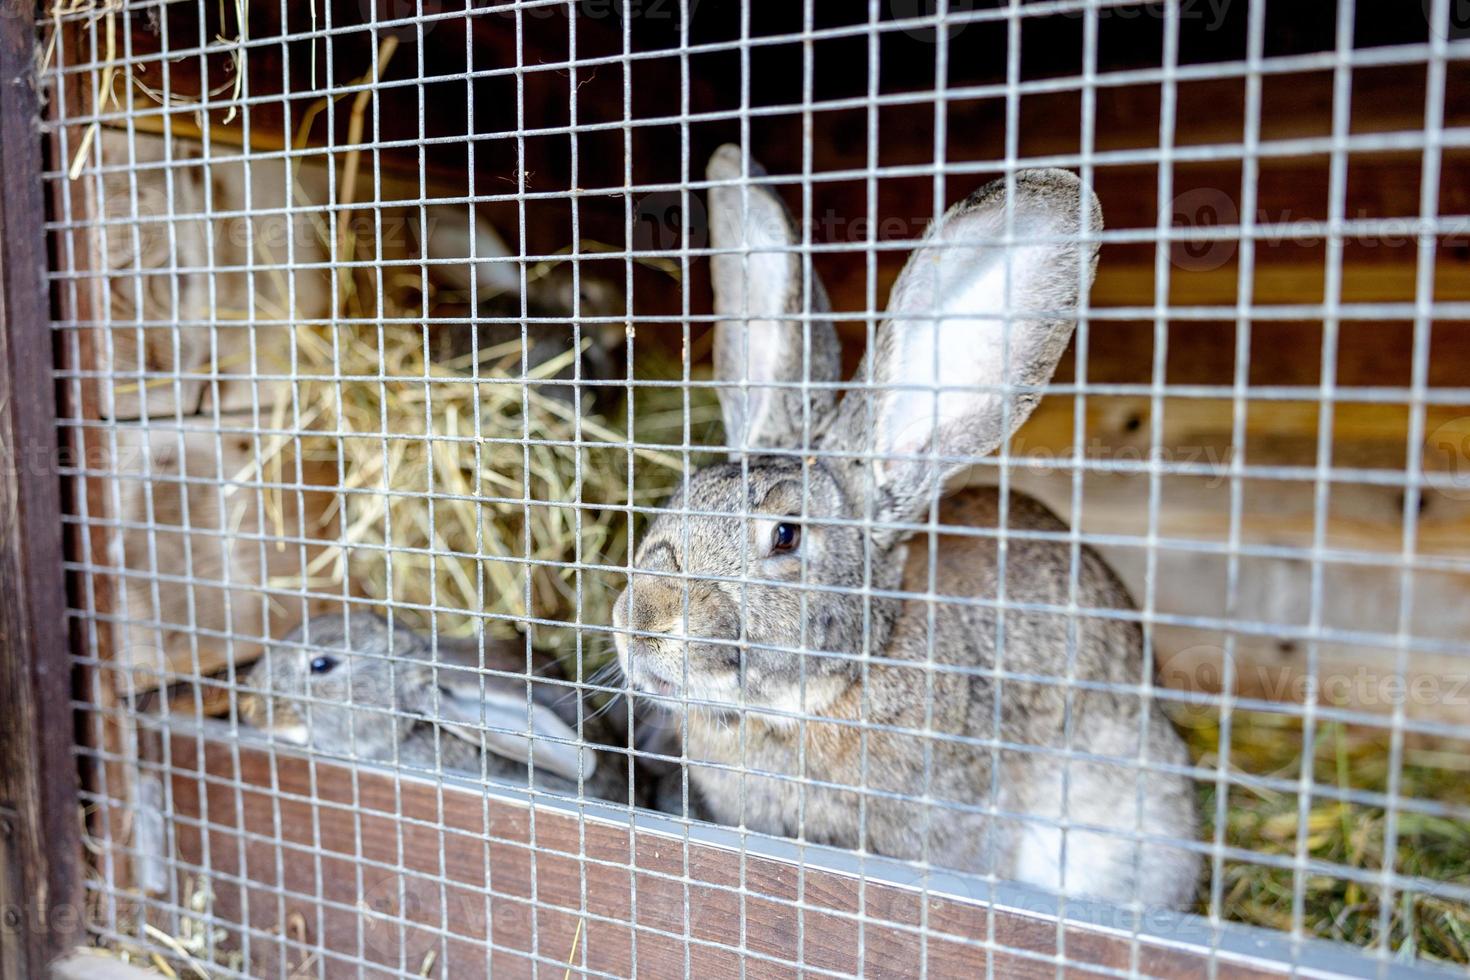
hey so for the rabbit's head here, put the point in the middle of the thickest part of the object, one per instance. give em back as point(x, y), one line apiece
point(354, 685)
point(346, 684)
point(757, 565)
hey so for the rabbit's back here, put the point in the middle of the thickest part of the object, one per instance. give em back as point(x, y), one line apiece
point(995, 656)
point(1067, 753)
point(454, 755)
point(431, 748)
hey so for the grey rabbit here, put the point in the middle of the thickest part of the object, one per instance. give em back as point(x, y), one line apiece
point(354, 685)
point(552, 293)
point(821, 702)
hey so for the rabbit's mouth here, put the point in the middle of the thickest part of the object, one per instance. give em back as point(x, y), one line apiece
point(648, 680)
point(657, 685)
point(715, 689)
point(280, 721)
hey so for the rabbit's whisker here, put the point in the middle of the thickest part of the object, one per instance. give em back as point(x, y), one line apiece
point(605, 708)
point(604, 676)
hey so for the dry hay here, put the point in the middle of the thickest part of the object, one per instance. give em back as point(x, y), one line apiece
point(473, 494)
point(1352, 835)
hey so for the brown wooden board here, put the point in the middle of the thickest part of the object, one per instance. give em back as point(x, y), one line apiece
point(39, 847)
point(106, 734)
point(315, 861)
point(519, 62)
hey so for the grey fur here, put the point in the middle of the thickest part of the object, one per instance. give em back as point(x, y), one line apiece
point(1046, 206)
point(380, 701)
point(916, 745)
point(744, 298)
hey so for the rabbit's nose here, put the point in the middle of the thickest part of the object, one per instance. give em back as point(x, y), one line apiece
point(252, 708)
point(650, 604)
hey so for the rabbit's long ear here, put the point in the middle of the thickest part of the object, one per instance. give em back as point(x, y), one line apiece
point(446, 234)
point(975, 329)
point(761, 337)
point(496, 721)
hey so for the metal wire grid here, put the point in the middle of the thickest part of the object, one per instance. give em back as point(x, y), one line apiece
point(85, 288)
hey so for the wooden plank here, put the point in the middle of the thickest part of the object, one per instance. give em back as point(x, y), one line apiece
point(103, 731)
point(181, 342)
point(1267, 624)
point(354, 868)
point(195, 559)
point(200, 322)
point(37, 773)
point(1389, 280)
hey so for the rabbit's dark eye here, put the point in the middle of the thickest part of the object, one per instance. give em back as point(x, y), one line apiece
point(322, 664)
point(785, 538)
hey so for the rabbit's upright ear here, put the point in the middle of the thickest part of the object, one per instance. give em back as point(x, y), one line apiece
point(975, 329)
point(446, 235)
point(496, 719)
point(762, 336)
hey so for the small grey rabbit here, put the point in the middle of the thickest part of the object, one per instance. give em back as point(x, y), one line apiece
point(553, 292)
point(353, 685)
point(820, 703)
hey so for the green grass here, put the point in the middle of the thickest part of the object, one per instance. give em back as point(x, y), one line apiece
point(1347, 835)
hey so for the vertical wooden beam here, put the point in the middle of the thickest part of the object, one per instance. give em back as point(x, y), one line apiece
point(38, 784)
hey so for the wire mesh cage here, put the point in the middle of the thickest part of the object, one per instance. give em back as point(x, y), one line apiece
point(693, 486)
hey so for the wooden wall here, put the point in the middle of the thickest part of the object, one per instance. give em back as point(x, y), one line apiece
point(360, 872)
point(1361, 574)
point(190, 605)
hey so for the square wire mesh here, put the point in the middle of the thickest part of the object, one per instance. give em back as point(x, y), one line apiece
point(434, 313)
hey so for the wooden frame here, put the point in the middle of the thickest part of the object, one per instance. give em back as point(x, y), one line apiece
point(40, 863)
point(387, 869)
point(370, 872)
